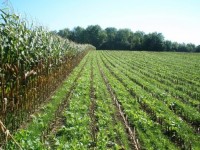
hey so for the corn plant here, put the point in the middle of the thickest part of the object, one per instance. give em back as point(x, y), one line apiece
point(33, 63)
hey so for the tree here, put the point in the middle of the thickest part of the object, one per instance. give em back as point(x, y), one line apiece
point(138, 39)
point(65, 33)
point(182, 48)
point(154, 41)
point(168, 46)
point(77, 35)
point(175, 46)
point(123, 39)
point(197, 49)
point(95, 36)
point(190, 47)
point(110, 39)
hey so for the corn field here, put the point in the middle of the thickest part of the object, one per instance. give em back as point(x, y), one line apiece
point(33, 62)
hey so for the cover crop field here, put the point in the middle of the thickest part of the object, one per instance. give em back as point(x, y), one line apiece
point(121, 100)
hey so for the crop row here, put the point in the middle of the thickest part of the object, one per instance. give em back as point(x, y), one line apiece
point(147, 130)
point(177, 130)
point(162, 71)
point(151, 86)
point(186, 94)
point(94, 124)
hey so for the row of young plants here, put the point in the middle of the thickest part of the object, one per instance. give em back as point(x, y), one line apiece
point(32, 135)
point(130, 130)
point(159, 68)
point(184, 74)
point(185, 91)
point(158, 58)
point(184, 61)
point(151, 86)
point(33, 62)
point(172, 59)
point(172, 126)
point(147, 130)
point(112, 133)
point(75, 132)
point(90, 121)
point(161, 83)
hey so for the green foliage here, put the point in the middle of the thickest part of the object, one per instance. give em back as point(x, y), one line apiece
point(124, 39)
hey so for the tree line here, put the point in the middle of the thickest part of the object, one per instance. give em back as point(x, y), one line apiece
point(124, 39)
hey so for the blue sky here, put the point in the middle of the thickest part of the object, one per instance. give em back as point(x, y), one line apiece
point(178, 20)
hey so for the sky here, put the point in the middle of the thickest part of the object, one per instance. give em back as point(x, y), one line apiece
point(177, 20)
